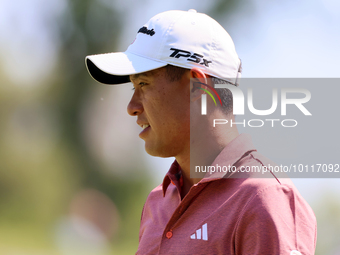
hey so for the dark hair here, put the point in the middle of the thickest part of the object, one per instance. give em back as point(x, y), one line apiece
point(175, 73)
point(225, 95)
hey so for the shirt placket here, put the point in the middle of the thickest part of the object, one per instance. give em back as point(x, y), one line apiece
point(170, 229)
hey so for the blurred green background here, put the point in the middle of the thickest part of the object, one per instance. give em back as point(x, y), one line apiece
point(73, 173)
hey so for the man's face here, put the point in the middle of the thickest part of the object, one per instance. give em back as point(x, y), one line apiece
point(162, 108)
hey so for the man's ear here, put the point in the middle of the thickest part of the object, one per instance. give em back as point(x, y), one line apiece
point(197, 78)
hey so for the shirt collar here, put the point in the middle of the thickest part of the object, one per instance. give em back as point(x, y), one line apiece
point(231, 154)
point(173, 175)
point(238, 148)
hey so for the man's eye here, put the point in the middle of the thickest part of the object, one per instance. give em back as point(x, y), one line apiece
point(141, 84)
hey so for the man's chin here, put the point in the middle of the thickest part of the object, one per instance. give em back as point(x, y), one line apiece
point(157, 152)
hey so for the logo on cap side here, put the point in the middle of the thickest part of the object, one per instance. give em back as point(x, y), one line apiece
point(195, 57)
point(145, 30)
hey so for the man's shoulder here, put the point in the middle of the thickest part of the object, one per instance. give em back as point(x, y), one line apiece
point(259, 179)
point(263, 175)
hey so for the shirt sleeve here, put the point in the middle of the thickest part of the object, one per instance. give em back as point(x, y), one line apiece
point(277, 220)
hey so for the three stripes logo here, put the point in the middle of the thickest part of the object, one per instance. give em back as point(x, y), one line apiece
point(201, 233)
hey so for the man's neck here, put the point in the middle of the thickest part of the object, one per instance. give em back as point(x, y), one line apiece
point(203, 152)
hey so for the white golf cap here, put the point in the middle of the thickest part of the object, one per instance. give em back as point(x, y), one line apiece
point(181, 38)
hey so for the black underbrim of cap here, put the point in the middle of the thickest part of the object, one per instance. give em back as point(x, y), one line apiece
point(104, 77)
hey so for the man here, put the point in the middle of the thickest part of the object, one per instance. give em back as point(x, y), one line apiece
point(175, 59)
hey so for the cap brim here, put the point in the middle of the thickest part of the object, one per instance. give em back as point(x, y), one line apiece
point(115, 68)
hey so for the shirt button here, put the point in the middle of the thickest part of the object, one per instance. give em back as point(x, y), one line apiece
point(168, 234)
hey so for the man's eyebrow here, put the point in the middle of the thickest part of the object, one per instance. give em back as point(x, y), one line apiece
point(138, 75)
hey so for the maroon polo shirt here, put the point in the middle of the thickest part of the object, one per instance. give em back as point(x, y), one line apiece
point(231, 215)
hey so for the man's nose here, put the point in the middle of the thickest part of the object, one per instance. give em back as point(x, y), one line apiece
point(135, 107)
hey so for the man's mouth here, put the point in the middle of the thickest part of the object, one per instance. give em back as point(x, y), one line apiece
point(144, 126)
